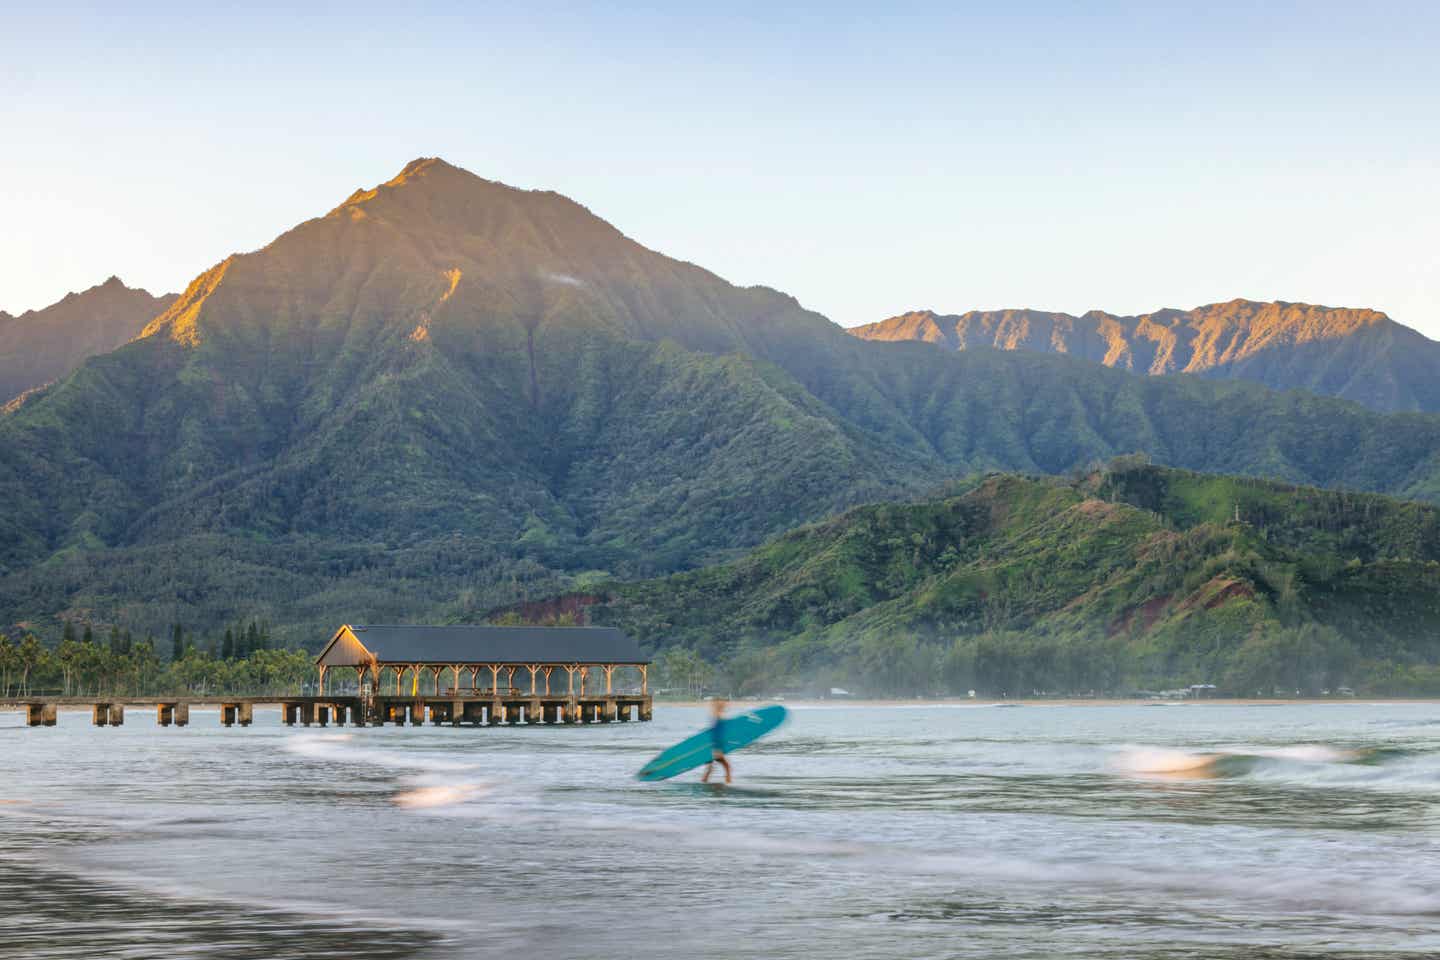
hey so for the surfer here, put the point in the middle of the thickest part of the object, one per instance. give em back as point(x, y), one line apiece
point(717, 743)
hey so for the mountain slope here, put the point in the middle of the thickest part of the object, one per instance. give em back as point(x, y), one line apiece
point(41, 345)
point(1357, 354)
point(447, 390)
point(1132, 576)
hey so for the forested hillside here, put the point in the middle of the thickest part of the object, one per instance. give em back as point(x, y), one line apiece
point(1357, 354)
point(1125, 578)
point(448, 394)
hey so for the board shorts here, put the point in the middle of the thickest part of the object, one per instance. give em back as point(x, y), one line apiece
point(717, 745)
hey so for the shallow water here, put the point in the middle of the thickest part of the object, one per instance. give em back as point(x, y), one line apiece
point(927, 831)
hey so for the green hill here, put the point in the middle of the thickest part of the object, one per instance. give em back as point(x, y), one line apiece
point(1125, 578)
point(448, 393)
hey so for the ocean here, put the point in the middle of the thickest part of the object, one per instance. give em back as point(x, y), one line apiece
point(945, 831)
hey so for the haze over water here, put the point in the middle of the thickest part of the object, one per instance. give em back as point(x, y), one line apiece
point(928, 831)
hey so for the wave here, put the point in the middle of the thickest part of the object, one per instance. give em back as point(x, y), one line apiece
point(334, 746)
point(1294, 765)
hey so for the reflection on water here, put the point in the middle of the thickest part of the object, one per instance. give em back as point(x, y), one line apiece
point(1206, 831)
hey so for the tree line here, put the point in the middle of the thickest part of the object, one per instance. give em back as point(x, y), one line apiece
point(242, 660)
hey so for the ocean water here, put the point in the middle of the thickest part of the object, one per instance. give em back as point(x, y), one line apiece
point(888, 832)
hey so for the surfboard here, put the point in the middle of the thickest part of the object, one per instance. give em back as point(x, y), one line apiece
point(735, 732)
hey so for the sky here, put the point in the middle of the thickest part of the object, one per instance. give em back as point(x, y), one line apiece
point(1059, 156)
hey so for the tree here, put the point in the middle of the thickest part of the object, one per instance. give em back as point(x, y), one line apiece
point(684, 668)
point(9, 660)
point(30, 654)
point(177, 643)
point(68, 654)
point(227, 646)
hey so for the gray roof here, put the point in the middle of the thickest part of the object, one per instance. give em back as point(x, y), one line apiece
point(474, 644)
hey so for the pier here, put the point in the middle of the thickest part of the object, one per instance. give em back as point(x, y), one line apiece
point(477, 676)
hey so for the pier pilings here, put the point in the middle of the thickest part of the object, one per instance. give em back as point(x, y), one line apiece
point(486, 710)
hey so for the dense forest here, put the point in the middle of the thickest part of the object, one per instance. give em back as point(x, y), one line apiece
point(1127, 578)
point(1121, 580)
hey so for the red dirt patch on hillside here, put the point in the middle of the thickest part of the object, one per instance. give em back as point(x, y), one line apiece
point(1144, 616)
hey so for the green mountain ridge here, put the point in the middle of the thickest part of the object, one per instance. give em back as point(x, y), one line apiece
point(1129, 577)
point(447, 394)
point(39, 346)
point(1356, 354)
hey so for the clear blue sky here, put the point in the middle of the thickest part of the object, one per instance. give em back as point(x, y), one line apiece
point(1057, 155)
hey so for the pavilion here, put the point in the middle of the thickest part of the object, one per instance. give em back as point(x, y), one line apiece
point(481, 660)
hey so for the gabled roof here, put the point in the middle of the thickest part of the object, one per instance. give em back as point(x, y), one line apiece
point(483, 644)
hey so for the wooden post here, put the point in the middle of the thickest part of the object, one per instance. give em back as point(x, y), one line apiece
point(117, 714)
point(510, 679)
point(570, 680)
point(584, 672)
point(456, 670)
point(33, 714)
point(246, 713)
point(100, 714)
point(322, 714)
point(494, 679)
point(182, 714)
point(533, 670)
point(644, 678)
point(48, 714)
point(609, 669)
point(164, 713)
point(547, 680)
point(320, 687)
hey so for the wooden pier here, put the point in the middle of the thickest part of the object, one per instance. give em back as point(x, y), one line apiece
point(461, 675)
point(458, 708)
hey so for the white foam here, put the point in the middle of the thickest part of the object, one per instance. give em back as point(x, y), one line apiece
point(1157, 760)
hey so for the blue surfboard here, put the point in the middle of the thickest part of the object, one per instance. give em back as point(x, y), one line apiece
point(735, 732)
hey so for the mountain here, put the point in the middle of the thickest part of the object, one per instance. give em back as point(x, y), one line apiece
point(446, 394)
point(1357, 354)
point(41, 345)
point(1129, 577)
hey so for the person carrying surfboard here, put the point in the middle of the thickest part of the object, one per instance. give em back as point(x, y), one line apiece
point(717, 741)
point(709, 746)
